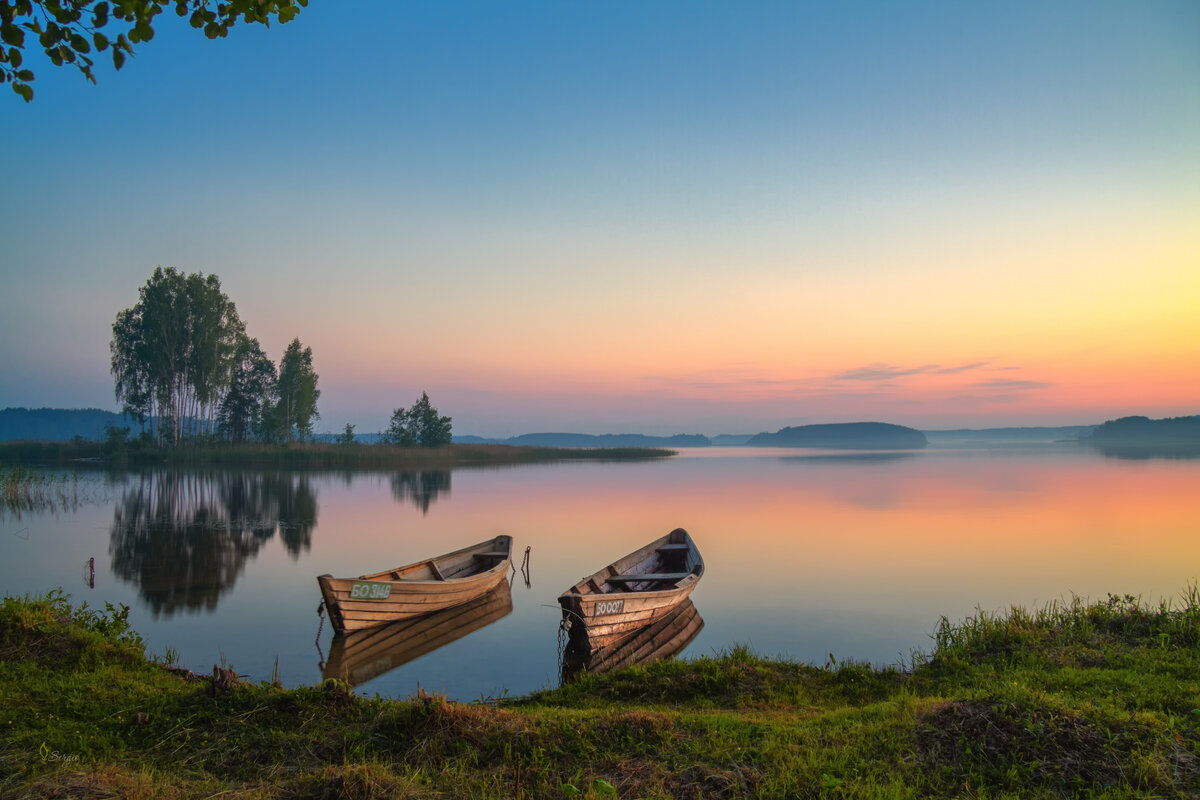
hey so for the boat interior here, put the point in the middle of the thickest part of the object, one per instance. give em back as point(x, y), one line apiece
point(452, 565)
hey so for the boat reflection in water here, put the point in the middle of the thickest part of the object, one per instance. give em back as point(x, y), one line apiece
point(361, 655)
point(663, 637)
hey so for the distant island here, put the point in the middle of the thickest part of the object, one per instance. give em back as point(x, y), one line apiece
point(1143, 430)
point(844, 436)
point(1142, 437)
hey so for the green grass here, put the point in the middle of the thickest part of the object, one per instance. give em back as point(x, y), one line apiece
point(1073, 700)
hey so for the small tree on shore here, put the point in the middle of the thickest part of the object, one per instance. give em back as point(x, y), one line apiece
point(419, 425)
point(296, 409)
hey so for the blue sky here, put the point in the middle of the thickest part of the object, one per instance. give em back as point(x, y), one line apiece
point(638, 216)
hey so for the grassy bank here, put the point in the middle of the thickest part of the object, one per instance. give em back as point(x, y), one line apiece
point(1077, 700)
point(307, 456)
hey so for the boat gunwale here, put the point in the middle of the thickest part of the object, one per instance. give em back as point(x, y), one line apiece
point(601, 575)
point(382, 576)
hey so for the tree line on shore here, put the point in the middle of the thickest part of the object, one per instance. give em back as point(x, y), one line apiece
point(185, 369)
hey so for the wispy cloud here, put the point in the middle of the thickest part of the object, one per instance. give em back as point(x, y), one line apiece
point(1012, 385)
point(882, 372)
point(720, 378)
point(888, 372)
point(961, 368)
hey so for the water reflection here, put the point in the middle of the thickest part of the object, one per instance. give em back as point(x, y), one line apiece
point(854, 457)
point(661, 638)
point(421, 488)
point(1145, 452)
point(362, 655)
point(184, 537)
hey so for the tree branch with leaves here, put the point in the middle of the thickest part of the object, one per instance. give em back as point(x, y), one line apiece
point(71, 31)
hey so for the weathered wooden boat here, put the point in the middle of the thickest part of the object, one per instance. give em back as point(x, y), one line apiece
point(632, 591)
point(418, 588)
point(664, 637)
point(367, 653)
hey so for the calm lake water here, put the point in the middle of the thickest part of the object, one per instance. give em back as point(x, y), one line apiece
point(807, 553)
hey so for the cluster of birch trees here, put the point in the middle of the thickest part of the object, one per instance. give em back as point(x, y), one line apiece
point(184, 367)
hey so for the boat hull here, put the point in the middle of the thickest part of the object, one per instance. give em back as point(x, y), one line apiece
point(664, 637)
point(416, 589)
point(632, 592)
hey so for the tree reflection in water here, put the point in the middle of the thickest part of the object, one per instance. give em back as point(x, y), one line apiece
point(184, 537)
point(422, 487)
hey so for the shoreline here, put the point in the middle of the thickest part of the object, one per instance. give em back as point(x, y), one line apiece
point(307, 456)
point(1099, 699)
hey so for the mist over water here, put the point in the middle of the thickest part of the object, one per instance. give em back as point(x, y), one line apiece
point(807, 553)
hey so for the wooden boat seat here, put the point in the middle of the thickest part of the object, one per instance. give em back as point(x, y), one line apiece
point(648, 576)
point(673, 548)
point(437, 573)
point(493, 554)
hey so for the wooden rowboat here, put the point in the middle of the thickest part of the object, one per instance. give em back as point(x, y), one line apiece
point(631, 592)
point(360, 656)
point(418, 588)
point(663, 637)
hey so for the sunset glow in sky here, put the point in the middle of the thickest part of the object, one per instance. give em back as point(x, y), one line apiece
point(654, 217)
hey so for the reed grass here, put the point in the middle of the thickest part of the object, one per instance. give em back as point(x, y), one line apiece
point(23, 489)
point(310, 455)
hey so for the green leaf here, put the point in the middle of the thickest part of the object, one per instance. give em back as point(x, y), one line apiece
point(118, 58)
point(100, 40)
point(25, 90)
point(12, 34)
point(14, 57)
point(80, 44)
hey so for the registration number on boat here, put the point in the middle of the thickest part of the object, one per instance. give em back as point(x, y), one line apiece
point(604, 607)
point(370, 590)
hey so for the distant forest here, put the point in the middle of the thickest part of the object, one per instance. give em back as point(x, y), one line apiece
point(62, 424)
point(58, 424)
point(1143, 430)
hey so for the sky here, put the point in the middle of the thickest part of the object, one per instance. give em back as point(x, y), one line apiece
point(655, 217)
